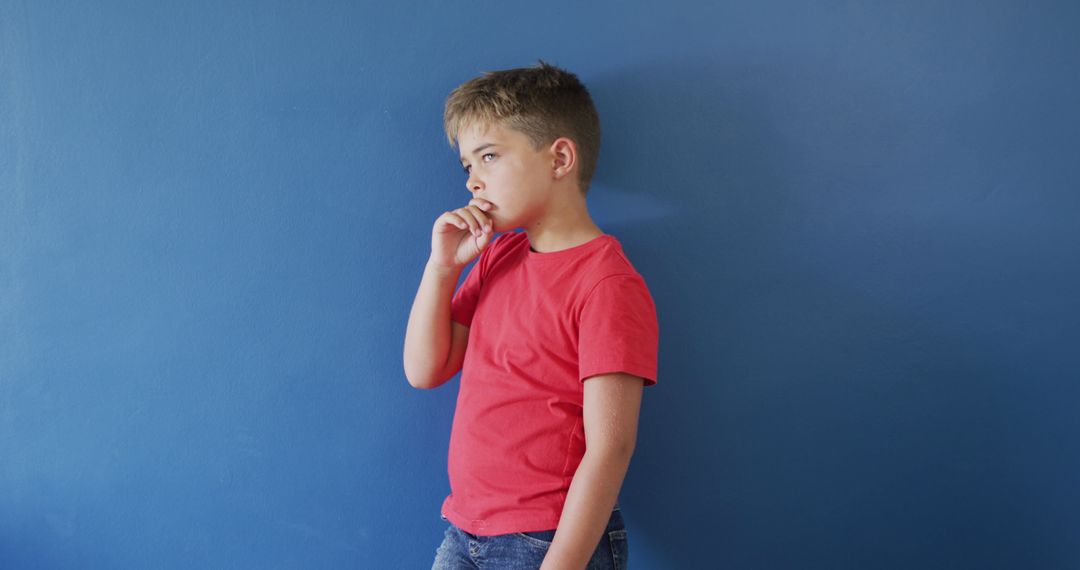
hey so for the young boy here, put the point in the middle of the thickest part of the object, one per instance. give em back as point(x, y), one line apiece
point(553, 329)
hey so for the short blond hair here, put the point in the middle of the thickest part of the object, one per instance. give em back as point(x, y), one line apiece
point(542, 102)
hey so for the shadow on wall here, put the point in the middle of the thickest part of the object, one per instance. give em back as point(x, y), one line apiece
point(802, 396)
point(691, 162)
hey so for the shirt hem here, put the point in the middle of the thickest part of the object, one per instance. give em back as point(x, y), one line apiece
point(486, 528)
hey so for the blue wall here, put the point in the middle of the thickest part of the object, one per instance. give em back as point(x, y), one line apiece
point(858, 221)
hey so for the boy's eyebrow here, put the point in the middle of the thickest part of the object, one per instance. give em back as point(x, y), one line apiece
point(478, 149)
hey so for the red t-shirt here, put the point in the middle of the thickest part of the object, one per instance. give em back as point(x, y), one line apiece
point(540, 324)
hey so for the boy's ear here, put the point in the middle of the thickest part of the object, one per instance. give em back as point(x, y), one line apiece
point(564, 156)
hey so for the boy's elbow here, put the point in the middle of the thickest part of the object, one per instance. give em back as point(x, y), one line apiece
point(423, 385)
point(422, 381)
point(415, 380)
point(419, 386)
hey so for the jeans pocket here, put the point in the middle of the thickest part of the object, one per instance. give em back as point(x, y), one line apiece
point(620, 548)
point(540, 539)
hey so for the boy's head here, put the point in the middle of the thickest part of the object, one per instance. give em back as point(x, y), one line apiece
point(541, 102)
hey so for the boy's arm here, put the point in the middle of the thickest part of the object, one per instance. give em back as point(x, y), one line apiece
point(432, 341)
point(434, 345)
point(612, 404)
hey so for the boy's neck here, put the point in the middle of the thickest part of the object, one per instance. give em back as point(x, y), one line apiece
point(566, 225)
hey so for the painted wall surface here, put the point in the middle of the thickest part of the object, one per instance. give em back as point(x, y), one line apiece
point(859, 222)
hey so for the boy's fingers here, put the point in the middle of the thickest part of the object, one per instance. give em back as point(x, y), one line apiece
point(482, 219)
point(481, 216)
point(469, 216)
point(482, 239)
point(451, 218)
point(482, 204)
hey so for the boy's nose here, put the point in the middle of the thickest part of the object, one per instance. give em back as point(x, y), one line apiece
point(474, 185)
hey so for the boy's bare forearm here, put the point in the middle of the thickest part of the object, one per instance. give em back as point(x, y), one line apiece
point(428, 335)
point(593, 493)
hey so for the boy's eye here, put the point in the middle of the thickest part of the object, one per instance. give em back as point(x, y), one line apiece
point(466, 168)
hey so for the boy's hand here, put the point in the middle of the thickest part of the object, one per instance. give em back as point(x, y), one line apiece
point(460, 235)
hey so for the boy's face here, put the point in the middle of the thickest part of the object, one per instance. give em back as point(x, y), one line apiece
point(504, 170)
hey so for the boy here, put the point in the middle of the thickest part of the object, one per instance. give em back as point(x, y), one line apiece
point(554, 331)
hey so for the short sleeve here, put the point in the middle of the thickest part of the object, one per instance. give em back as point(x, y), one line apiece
point(618, 329)
point(463, 304)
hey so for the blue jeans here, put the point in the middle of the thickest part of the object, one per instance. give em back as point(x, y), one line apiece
point(524, 550)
